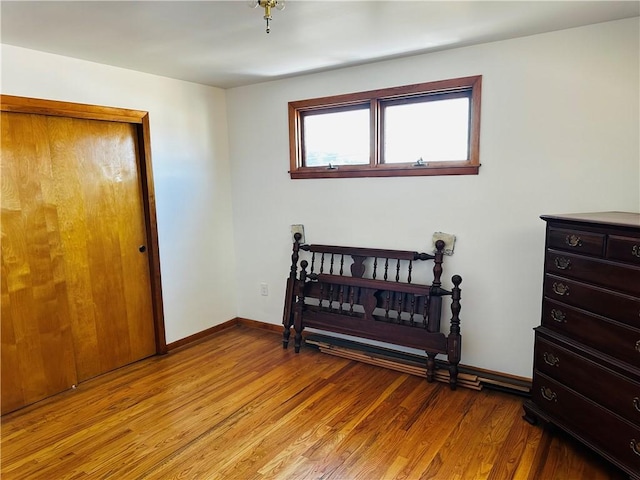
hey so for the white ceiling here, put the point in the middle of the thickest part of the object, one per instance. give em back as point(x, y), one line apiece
point(224, 44)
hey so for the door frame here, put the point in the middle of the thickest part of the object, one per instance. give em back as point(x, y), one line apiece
point(140, 120)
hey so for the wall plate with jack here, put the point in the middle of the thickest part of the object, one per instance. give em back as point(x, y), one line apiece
point(298, 229)
point(448, 239)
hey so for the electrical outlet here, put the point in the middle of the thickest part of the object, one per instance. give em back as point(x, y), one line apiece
point(298, 229)
point(264, 289)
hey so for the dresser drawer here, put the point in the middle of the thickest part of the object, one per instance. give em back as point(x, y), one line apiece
point(626, 249)
point(588, 243)
point(613, 305)
point(616, 276)
point(612, 435)
point(611, 338)
point(611, 390)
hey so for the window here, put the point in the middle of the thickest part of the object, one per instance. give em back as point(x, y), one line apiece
point(424, 129)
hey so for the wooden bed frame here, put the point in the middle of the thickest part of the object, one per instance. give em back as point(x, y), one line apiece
point(383, 309)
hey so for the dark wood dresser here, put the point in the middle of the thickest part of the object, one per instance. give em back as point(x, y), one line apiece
point(586, 377)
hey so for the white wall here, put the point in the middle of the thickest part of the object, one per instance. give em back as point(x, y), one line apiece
point(560, 133)
point(189, 146)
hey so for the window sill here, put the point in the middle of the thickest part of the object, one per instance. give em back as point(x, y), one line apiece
point(354, 172)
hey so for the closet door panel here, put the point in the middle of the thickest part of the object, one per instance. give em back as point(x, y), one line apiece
point(37, 345)
point(96, 164)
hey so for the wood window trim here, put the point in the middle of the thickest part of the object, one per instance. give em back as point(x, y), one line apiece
point(375, 168)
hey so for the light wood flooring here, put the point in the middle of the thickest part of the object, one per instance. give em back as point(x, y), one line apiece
point(238, 406)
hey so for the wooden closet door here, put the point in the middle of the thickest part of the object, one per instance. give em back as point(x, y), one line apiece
point(93, 221)
point(102, 218)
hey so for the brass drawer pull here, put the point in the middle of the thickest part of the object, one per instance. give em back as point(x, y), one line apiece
point(560, 289)
point(636, 403)
point(573, 241)
point(560, 317)
point(638, 346)
point(562, 263)
point(635, 251)
point(549, 394)
point(634, 446)
point(551, 359)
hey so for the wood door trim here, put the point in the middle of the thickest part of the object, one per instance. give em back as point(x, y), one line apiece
point(149, 205)
point(10, 103)
point(139, 118)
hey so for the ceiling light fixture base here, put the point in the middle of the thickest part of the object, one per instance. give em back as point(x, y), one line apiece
point(268, 5)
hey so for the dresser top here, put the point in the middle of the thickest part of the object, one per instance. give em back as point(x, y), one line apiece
point(620, 219)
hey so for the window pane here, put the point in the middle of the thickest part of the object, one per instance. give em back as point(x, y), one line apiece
point(436, 131)
point(336, 138)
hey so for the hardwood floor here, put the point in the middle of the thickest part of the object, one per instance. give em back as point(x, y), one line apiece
point(237, 406)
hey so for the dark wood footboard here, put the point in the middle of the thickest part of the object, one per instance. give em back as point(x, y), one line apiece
point(373, 294)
